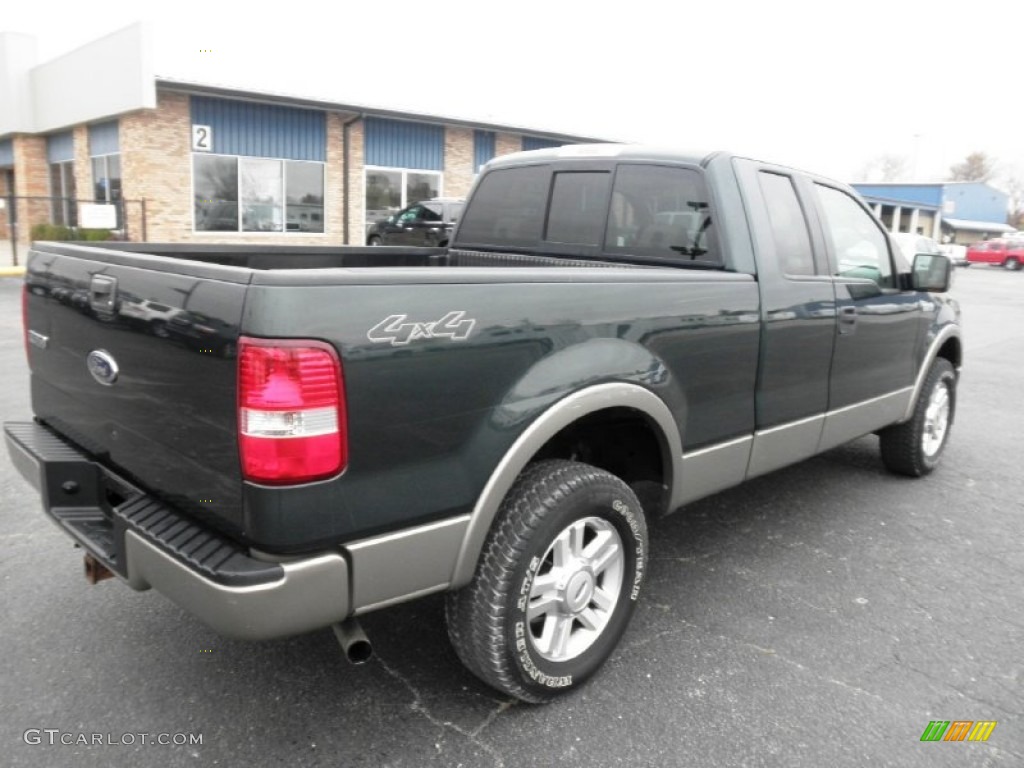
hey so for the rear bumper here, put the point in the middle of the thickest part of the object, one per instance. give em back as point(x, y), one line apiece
point(149, 544)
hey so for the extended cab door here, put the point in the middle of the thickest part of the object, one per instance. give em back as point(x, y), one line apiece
point(798, 316)
point(879, 328)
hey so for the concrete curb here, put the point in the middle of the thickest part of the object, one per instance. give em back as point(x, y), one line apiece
point(12, 271)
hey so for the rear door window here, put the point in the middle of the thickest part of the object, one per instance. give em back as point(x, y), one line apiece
point(789, 227)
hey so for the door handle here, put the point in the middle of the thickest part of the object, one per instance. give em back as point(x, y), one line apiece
point(847, 320)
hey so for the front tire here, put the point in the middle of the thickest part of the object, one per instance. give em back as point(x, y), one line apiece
point(373, 240)
point(556, 583)
point(915, 447)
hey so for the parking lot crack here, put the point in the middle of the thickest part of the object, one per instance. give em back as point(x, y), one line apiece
point(420, 708)
point(494, 714)
point(687, 626)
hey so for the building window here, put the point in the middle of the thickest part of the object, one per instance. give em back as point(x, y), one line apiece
point(251, 194)
point(62, 193)
point(391, 189)
point(304, 196)
point(262, 199)
point(106, 178)
point(106, 182)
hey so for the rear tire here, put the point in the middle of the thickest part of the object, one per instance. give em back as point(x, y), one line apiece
point(556, 583)
point(1012, 264)
point(915, 447)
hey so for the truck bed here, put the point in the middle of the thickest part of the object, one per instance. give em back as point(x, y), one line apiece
point(420, 413)
point(272, 257)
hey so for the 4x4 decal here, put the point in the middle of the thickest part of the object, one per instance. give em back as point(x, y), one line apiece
point(398, 331)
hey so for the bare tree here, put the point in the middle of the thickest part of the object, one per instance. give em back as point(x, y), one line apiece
point(885, 167)
point(977, 166)
point(893, 167)
point(1014, 187)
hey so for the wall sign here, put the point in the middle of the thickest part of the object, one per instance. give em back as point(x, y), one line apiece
point(202, 138)
point(97, 216)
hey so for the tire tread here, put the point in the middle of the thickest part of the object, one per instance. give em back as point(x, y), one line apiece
point(901, 443)
point(476, 615)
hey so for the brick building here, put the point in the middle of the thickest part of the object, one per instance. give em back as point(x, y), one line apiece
point(170, 161)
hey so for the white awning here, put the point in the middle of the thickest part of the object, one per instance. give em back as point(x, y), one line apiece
point(977, 226)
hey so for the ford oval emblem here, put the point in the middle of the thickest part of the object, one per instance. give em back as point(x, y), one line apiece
point(102, 366)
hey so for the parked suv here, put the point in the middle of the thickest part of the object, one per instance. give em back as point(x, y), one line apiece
point(427, 223)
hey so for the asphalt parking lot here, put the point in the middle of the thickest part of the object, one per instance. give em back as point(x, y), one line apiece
point(819, 616)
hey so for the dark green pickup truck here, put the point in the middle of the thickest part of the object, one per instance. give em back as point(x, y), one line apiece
point(284, 438)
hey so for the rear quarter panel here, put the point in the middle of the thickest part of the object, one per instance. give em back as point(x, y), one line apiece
point(430, 418)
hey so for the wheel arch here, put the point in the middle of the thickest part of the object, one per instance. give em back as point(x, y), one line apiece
point(946, 344)
point(612, 400)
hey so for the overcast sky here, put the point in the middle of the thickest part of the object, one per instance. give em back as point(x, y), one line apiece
point(826, 86)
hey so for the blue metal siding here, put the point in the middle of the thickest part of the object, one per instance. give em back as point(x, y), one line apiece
point(976, 202)
point(483, 148)
point(262, 130)
point(104, 139)
point(923, 194)
point(532, 142)
point(401, 144)
point(6, 152)
point(60, 147)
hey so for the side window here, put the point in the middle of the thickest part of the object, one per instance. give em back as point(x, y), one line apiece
point(410, 215)
point(789, 227)
point(661, 213)
point(578, 205)
point(860, 247)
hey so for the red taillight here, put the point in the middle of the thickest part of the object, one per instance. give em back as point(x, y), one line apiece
point(292, 425)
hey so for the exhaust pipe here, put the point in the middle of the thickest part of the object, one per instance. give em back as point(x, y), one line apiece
point(353, 641)
point(95, 571)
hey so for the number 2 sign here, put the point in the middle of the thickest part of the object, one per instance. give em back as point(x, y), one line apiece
point(202, 138)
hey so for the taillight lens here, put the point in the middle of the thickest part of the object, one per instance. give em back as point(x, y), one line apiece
point(292, 425)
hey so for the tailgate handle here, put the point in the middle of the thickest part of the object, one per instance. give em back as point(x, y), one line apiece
point(103, 292)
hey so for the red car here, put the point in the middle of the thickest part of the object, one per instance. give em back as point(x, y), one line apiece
point(1001, 252)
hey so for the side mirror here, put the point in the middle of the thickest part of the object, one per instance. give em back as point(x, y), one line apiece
point(931, 272)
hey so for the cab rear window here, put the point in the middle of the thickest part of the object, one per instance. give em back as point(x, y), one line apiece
point(641, 213)
point(507, 208)
point(663, 214)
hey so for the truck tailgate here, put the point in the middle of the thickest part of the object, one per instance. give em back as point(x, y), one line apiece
point(137, 366)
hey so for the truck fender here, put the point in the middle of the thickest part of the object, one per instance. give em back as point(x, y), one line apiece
point(939, 337)
point(566, 411)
